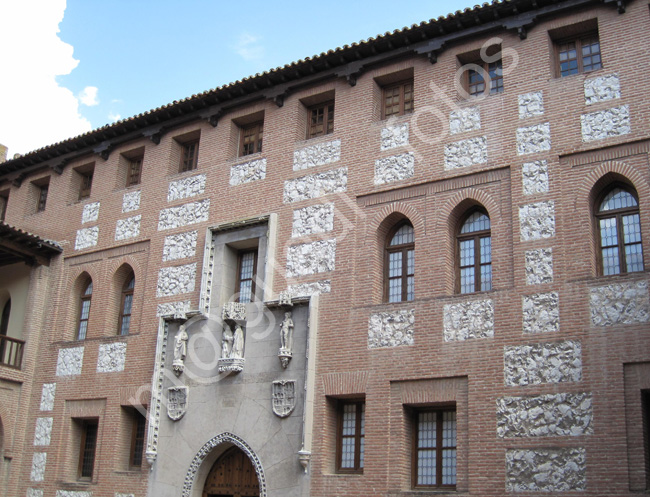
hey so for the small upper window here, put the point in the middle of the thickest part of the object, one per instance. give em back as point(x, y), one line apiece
point(134, 171)
point(42, 197)
point(246, 275)
point(476, 78)
point(619, 229)
point(397, 99)
point(251, 138)
point(4, 199)
point(127, 304)
point(475, 253)
point(84, 311)
point(579, 55)
point(400, 264)
point(321, 120)
point(189, 156)
point(86, 184)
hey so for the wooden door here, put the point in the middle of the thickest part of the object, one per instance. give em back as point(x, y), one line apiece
point(232, 475)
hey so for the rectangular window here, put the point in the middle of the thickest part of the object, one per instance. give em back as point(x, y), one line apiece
point(645, 409)
point(42, 197)
point(397, 99)
point(4, 199)
point(189, 156)
point(87, 448)
point(578, 55)
point(247, 262)
point(434, 448)
point(134, 171)
point(137, 439)
point(350, 436)
point(476, 84)
point(251, 139)
point(86, 184)
point(321, 120)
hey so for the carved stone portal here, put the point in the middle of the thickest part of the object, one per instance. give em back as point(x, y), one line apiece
point(284, 397)
point(177, 402)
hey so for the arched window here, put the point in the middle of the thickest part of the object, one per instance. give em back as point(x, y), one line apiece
point(84, 310)
point(4, 323)
point(400, 263)
point(475, 253)
point(125, 305)
point(619, 230)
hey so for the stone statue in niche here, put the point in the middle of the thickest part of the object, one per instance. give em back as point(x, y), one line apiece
point(232, 348)
point(180, 350)
point(237, 351)
point(286, 340)
point(226, 342)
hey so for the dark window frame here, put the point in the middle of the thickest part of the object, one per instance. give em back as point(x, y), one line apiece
point(88, 448)
point(415, 451)
point(472, 88)
point(86, 296)
point(127, 291)
point(240, 280)
point(251, 137)
point(42, 197)
point(358, 434)
point(579, 41)
point(404, 248)
point(138, 439)
point(134, 171)
point(476, 236)
point(402, 93)
point(189, 158)
point(85, 187)
point(4, 200)
point(618, 215)
point(326, 122)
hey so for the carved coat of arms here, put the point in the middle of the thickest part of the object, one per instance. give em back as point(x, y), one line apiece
point(284, 397)
point(176, 402)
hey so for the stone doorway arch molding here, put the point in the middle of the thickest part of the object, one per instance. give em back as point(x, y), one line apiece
point(211, 445)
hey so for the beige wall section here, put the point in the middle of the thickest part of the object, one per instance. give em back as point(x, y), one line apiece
point(14, 285)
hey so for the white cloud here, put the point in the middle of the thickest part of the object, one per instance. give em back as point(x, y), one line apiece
point(114, 117)
point(88, 96)
point(36, 110)
point(248, 47)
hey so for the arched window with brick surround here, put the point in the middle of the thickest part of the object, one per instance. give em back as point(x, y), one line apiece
point(126, 304)
point(619, 230)
point(400, 263)
point(474, 257)
point(84, 309)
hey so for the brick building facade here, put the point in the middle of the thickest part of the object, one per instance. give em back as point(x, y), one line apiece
point(410, 265)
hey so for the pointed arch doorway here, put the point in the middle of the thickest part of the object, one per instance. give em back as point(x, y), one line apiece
point(232, 475)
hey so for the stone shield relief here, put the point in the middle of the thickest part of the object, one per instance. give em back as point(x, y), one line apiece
point(177, 402)
point(284, 397)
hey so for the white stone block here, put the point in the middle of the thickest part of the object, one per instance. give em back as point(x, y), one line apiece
point(605, 124)
point(70, 361)
point(183, 215)
point(248, 172)
point(173, 308)
point(534, 176)
point(311, 258)
point(128, 228)
point(394, 168)
point(313, 219)
point(316, 185)
point(391, 329)
point(86, 238)
point(546, 470)
point(531, 104)
point(176, 280)
point(180, 246)
point(556, 362)
point(624, 303)
point(34, 492)
point(466, 153)
point(467, 320)
point(43, 432)
point(394, 136)
point(111, 357)
point(602, 88)
point(541, 313)
point(539, 266)
point(186, 187)
point(47, 396)
point(90, 213)
point(463, 120)
point(39, 460)
point(309, 289)
point(537, 221)
point(131, 201)
point(317, 155)
point(534, 139)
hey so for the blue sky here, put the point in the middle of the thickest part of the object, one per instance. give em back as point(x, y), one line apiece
point(112, 59)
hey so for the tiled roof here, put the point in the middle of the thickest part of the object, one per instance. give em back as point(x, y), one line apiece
point(17, 245)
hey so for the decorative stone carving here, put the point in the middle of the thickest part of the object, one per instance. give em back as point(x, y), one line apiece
point(208, 447)
point(533, 139)
point(131, 201)
point(537, 221)
point(128, 228)
point(466, 153)
point(173, 308)
point(90, 213)
point(177, 399)
point(605, 123)
point(47, 396)
point(119, 494)
point(186, 188)
point(180, 350)
point(316, 185)
point(233, 311)
point(317, 155)
point(394, 136)
point(34, 492)
point(535, 177)
point(556, 362)
point(232, 349)
point(284, 397)
point(546, 470)
point(304, 456)
point(557, 415)
point(602, 88)
point(531, 104)
point(184, 215)
point(467, 320)
point(539, 266)
point(180, 246)
point(286, 340)
point(313, 219)
point(247, 172)
point(311, 258)
point(463, 120)
point(541, 313)
point(309, 289)
point(395, 168)
point(70, 361)
point(111, 357)
point(625, 303)
point(391, 329)
point(39, 460)
point(43, 431)
point(176, 279)
point(86, 238)
point(284, 299)
point(73, 493)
